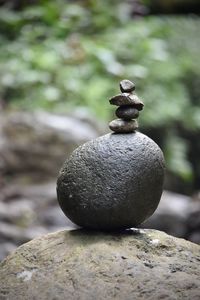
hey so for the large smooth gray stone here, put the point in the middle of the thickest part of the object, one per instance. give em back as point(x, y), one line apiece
point(112, 182)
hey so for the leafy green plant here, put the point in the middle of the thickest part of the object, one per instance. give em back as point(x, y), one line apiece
point(58, 55)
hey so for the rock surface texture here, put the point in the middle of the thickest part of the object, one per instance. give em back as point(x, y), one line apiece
point(112, 182)
point(72, 265)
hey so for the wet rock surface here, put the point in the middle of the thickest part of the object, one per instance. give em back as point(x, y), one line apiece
point(112, 182)
point(134, 264)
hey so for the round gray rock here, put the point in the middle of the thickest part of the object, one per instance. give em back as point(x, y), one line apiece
point(81, 265)
point(112, 182)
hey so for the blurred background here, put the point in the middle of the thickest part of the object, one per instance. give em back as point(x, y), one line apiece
point(60, 62)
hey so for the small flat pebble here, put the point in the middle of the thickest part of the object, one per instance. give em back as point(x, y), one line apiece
point(123, 126)
point(127, 99)
point(137, 103)
point(127, 112)
point(121, 99)
point(126, 86)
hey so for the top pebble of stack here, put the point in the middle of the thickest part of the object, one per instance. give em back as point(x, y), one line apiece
point(128, 109)
point(126, 86)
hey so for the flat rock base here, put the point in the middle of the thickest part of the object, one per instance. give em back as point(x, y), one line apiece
point(79, 264)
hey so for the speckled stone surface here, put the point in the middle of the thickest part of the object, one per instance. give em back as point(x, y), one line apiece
point(123, 126)
point(88, 265)
point(112, 182)
point(127, 112)
point(127, 99)
point(126, 86)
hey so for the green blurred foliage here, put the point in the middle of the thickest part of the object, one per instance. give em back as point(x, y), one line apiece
point(61, 54)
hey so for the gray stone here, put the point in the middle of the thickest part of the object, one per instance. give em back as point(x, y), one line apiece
point(123, 126)
point(127, 112)
point(172, 214)
point(127, 99)
point(136, 101)
point(114, 181)
point(25, 138)
point(121, 99)
point(126, 86)
point(72, 265)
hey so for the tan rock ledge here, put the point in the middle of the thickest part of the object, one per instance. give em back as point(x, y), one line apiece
point(79, 264)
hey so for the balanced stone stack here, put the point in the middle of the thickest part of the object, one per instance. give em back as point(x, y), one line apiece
point(111, 183)
point(115, 181)
point(128, 109)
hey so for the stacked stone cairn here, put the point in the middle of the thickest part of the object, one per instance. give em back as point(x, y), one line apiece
point(113, 182)
point(128, 109)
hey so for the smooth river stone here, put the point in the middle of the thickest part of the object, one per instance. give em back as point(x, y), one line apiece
point(126, 86)
point(127, 99)
point(112, 182)
point(123, 126)
point(127, 112)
